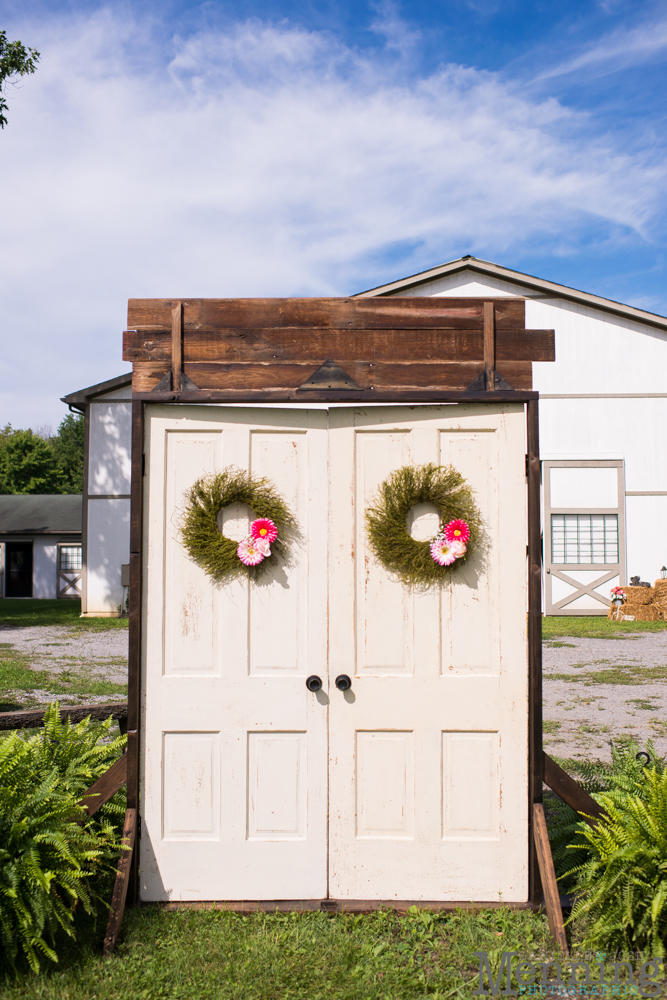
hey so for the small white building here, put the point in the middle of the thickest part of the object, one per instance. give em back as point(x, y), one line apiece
point(107, 409)
point(602, 413)
point(40, 546)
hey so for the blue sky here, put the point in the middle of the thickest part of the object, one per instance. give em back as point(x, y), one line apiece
point(267, 147)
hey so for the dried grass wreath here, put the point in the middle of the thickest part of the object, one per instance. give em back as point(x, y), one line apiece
point(222, 557)
point(423, 563)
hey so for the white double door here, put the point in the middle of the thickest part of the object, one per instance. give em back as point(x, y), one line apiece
point(412, 784)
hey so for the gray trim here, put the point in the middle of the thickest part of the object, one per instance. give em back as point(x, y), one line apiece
point(527, 280)
point(607, 571)
point(82, 397)
point(109, 496)
point(646, 493)
point(20, 536)
point(84, 513)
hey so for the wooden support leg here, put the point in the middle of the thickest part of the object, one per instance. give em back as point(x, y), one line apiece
point(120, 886)
point(548, 876)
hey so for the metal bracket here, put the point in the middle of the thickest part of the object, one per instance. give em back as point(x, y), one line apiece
point(329, 376)
point(479, 384)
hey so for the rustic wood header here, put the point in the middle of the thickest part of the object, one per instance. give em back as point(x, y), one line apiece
point(308, 349)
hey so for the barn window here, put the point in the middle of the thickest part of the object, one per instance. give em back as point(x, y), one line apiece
point(70, 557)
point(584, 538)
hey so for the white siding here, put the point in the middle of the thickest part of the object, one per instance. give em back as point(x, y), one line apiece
point(108, 549)
point(44, 568)
point(109, 462)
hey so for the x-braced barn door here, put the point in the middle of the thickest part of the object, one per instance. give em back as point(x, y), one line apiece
point(421, 792)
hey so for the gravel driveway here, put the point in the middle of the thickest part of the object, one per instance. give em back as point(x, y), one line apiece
point(599, 689)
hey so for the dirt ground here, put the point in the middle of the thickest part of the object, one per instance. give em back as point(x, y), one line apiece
point(596, 690)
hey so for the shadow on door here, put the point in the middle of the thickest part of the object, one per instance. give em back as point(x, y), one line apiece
point(19, 569)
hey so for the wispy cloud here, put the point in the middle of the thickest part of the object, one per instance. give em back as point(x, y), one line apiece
point(265, 160)
point(616, 50)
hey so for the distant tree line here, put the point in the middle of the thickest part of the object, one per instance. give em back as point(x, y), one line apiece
point(33, 463)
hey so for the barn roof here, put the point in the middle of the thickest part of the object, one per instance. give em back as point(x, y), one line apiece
point(543, 288)
point(40, 514)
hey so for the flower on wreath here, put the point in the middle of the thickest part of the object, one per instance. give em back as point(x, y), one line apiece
point(251, 551)
point(443, 551)
point(263, 528)
point(457, 531)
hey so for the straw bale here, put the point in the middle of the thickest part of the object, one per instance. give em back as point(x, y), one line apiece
point(661, 587)
point(640, 595)
point(643, 612)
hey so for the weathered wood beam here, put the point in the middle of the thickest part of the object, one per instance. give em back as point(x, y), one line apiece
point(121, 883)
point(330, 313)
point(33, 717)
point(571, 792)
point(106, 786)
point(490, 345)
point(295, 345)
point(534, 477)
point(548, 876)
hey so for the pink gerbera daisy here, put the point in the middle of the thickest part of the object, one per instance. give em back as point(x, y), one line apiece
point(264, 528)
point(443, 551)
point(457, 531)
point(250, 551)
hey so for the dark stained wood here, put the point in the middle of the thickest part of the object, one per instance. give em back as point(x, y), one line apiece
point(454, 375)
point(548, 876)
point(134, 651)
point(121, 884)
point(106, 786)
point(533, 473)
point(391, 395)
point(288, 344)
point(33, 717)
point(571, 792)
point(177, 343)
point(490, 345)
point(400, 906)
point(331, 313)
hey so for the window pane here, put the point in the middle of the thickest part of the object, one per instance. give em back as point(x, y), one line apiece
point(584, 538)
point(70, 557)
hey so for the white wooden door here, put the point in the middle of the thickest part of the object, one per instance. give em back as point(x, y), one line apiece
point(428, 750)
point(426, 775)
point(234, 754)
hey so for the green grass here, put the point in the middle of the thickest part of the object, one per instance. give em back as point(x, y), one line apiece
point(69, 686)
point(31, 611)
point(624, 673)
point(204, 955)
point(593, 627)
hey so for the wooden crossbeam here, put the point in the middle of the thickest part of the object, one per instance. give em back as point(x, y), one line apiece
point(121, 883)
point(32, 717)
point(106, 786)
point(571, 792)
point(548, 877)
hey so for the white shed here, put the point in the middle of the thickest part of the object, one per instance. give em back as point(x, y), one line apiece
point(107, 408)
point(40, 546)
point(603, 404)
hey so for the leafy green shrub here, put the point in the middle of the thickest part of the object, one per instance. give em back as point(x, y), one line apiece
point(622, 776)
point(49, 849)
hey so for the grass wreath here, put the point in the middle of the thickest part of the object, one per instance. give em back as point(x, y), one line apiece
point(201, 536)
point(386, 520)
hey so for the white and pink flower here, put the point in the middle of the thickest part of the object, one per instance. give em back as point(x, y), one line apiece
point(446, 552)
point(251, 551)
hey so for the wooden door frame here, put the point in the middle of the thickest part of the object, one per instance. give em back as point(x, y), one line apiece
point(534, 568)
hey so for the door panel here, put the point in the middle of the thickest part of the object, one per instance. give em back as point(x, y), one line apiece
point(235, 750)
point(18, 562)
point(428, 750)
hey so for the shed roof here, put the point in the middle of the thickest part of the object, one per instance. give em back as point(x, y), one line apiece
point(82, 397)
point(40, 514)
point(544, 289)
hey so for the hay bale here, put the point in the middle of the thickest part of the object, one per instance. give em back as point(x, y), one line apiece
point(640, 595)
point(661, 588)
point(643, 612)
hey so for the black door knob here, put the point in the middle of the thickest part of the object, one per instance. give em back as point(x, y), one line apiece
point(343, 682)
point(313, 683)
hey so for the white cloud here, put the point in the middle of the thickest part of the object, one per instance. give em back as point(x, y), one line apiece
point(265, 160)
point(616, 50)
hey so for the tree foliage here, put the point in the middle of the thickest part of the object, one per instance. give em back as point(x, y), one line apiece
point(30, 463)
point(15, 60)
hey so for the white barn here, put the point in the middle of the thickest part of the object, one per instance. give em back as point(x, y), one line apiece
point(602, 406)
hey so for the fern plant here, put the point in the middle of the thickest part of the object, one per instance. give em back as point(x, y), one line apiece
point(49, 848)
